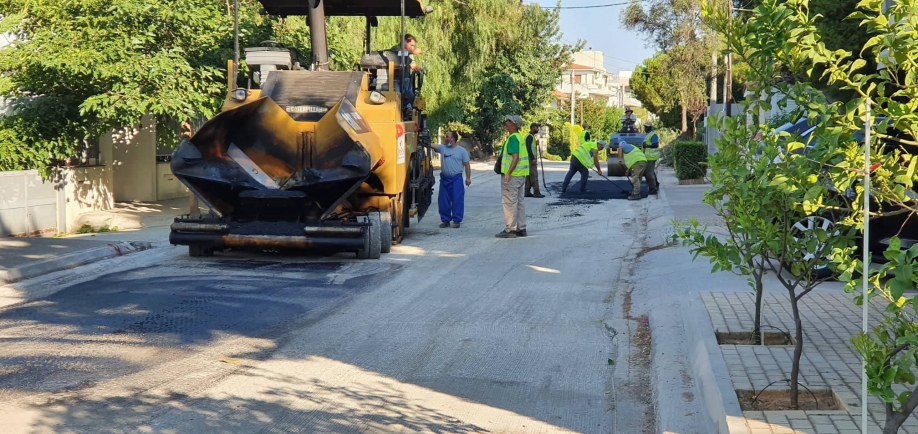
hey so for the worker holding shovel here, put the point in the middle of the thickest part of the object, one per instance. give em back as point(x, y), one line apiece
point(584, 158)
point(635, 161)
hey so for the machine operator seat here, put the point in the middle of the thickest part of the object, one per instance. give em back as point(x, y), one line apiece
point(378, 66)
point(379, 61)
point(263, 60)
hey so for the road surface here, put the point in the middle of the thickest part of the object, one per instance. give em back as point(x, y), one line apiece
point(454, 331)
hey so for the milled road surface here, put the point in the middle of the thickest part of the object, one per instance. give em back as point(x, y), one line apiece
point(454, 331)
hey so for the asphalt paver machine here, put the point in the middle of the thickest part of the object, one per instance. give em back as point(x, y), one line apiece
point(306, 158)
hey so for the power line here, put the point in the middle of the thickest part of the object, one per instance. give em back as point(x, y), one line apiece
point(586, 7)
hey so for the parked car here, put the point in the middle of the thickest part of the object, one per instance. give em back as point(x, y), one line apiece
point(882, 229)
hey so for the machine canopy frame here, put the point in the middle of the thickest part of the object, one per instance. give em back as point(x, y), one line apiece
point(343, 8)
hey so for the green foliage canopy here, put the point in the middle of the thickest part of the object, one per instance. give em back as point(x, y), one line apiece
point(81, 68)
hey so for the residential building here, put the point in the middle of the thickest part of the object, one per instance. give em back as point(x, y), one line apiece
point(587, 75)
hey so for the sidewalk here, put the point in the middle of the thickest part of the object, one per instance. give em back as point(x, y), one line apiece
point(129, 227)
point(723, 302)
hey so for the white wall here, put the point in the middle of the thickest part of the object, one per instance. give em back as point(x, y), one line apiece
point(593, 59)
point(134, 161)
point(30, 205)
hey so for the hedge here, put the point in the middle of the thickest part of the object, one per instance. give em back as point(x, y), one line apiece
point(690, 159)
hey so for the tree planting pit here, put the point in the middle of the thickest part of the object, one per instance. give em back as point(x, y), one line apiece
point(747, 338)
point(779, 400)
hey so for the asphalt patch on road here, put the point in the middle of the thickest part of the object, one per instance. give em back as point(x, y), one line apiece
point(188, 304)
point(598, 191)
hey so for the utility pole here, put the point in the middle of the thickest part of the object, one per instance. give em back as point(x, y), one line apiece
point(573, 97)
point(235, 44)
point(712, 99)
point(728, 78)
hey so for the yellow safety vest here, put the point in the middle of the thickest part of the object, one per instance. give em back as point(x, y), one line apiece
point(522, 166)
point(583, 154)
point(633, 157)
point(651, 151)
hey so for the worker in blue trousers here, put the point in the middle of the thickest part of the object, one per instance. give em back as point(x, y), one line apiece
point(452, 193)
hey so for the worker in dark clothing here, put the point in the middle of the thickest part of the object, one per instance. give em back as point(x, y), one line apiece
point(532, 182)
point(585, 135)
point(584, 158)
point(403, 82)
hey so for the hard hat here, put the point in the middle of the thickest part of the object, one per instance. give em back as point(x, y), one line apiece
point(648, 124)
point(601, 143)
point(622, 144)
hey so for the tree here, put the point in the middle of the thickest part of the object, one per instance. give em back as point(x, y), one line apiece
point(102, 64)
point(651, 85)
point(78, 69)
point(675, 27)
point(486, 59)
point(782, 38)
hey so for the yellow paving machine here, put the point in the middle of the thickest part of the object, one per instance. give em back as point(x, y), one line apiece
point(306, 158)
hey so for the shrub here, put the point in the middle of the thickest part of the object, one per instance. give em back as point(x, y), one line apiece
point(667, 136)
point(551, 157)
point(666, 156)
point(690, 159)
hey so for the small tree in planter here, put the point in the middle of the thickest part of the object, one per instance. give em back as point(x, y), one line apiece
point(762, 199)
point(891, 351)
point(783, 35)
point(736, 201)
point(797, 187)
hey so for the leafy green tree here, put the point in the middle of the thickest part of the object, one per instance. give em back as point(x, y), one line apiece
point(783, 37)
point(80, 68)
point(105, 63)
point(485, 59)
point(650, 84)
point(676, 28)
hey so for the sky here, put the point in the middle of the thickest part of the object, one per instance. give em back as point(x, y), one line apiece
point(602, 30)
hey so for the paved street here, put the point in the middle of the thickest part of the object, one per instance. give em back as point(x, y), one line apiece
point(453, 331)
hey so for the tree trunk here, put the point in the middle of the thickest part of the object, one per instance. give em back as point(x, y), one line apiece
point(684, 119)
point(798, 351)
point(757, 320)
point(892, 425)
point(895, 419)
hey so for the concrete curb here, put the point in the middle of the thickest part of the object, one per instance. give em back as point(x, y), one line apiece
point(47, 284)
point(678, 409)
point(71, 260)
point(709, 369)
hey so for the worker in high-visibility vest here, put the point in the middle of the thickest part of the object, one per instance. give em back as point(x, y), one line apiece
point(514, 169)
point(584, 158)
point(634, 160)
point(652, 152)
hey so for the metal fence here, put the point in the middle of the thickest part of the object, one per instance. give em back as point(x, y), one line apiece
point(28, 204)
point(711, 134)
